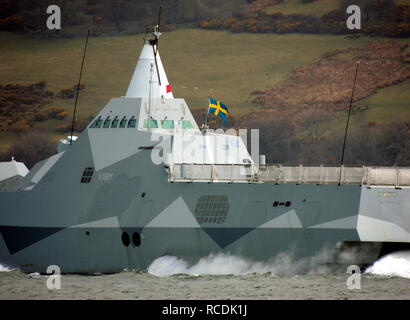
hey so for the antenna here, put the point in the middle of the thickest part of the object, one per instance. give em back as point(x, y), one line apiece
point(207, 111)
point(154, 42)
point(348, 119)
point(149, 97)
point(158, 33)
point(78, 86)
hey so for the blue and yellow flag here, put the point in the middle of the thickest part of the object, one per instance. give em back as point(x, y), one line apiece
point(218, 108)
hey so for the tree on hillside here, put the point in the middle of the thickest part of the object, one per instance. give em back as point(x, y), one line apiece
point(117, 12)
point(32, 14)
point(30, 148)
point(379, 10)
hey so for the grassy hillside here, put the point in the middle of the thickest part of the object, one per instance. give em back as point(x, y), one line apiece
point(315, 8)
point(389, 103)
point(230, 66)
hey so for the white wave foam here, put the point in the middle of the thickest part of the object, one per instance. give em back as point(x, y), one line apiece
point(396, 264)
point(4, 268)
point(224, 264)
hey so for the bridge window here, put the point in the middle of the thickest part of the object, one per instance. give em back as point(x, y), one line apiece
point(107, 122)
point(185, 124)
point(153, 123)
point(97, 123)
point(167, 124)
point(114, 123)
point(132, 123)
point(123, 122)
point(87, 175)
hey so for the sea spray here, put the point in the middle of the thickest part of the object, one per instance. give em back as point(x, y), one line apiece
point(4, 268)
point(396, 264)
point(226, 264)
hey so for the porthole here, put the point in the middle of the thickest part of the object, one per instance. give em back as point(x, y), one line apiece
point(125, 238)
point(136, 239)
point(143, 195)
point(87, 233)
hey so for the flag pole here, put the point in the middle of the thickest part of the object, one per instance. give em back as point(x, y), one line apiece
point(207, 110)
point(206, 113)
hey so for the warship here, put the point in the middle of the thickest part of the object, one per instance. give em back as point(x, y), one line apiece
point(143, 181)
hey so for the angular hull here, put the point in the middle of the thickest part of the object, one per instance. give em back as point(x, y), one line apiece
point(58, 223)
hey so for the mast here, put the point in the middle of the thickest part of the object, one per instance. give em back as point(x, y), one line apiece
point(139, 86)
point(149, 97)
point(78, 87)
point(347, 122)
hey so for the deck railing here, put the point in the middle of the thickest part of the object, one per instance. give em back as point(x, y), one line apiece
point(299, 174)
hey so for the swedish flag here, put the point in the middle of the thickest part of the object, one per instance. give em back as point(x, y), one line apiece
point(218, 108)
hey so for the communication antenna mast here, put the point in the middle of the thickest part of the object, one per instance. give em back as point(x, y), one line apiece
point(78, 86)
point(347, 122)
point(149, 97)
point(155, 42)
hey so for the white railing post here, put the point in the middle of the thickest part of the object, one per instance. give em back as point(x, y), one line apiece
point(363, 174)
point(171, 172)
point(346, 177)
point(305, 174)
point(321, 174)
point(212, 173)
point(279, 172)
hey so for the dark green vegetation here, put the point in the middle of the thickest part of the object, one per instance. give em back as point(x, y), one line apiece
point(112, 16)
point(30, 148)
point(379, 18)
point(389, 18)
